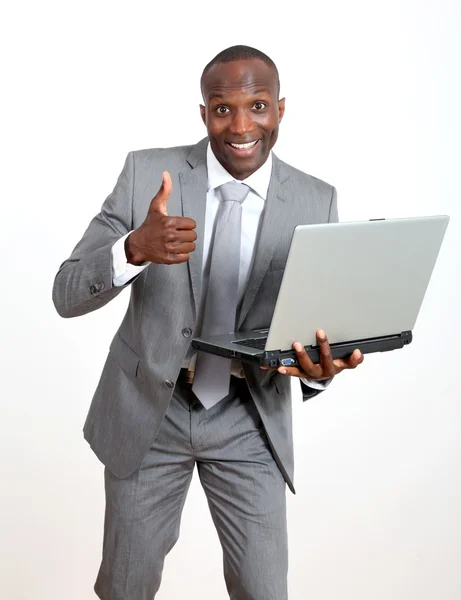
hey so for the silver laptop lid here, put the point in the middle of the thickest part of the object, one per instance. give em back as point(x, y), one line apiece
point(355, 280)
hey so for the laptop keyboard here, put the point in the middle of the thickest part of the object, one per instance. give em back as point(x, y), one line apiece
point(259, 343)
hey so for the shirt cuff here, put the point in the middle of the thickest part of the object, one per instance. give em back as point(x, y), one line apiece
point(123, 271)
point(317, 384)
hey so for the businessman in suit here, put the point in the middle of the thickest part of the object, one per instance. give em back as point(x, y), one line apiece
point(160, 409)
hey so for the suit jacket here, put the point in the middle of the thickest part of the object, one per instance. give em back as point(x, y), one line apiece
point(149, 348)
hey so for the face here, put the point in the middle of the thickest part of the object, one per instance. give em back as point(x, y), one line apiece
point(242, 113)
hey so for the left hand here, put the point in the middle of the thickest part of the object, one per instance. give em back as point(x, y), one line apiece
point(328, 367)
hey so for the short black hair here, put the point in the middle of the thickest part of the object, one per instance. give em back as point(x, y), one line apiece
point(240, 53)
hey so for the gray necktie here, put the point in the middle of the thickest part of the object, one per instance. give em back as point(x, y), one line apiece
point(212, 373)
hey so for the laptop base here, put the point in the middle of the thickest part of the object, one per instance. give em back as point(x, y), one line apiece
point(288, 358)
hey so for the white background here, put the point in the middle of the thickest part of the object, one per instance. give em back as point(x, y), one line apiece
point(373, 107)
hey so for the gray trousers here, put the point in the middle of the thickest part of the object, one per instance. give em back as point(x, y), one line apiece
point(244, 488)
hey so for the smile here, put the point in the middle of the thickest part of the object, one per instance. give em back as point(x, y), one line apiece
point(244, 151)
point(244, 146)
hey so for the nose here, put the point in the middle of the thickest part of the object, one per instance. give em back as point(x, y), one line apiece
point(241, 122)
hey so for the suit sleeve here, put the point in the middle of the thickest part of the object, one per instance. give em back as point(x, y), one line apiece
point(307, 391)
point(84, 282)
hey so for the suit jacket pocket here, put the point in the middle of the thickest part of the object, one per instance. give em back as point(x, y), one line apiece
point(277, 265)
point(282, 384)
point(126, 357)
point(274, 383)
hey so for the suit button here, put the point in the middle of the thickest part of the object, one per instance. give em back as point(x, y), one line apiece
point(186, 332)
point(94, 289)
point(169, 383)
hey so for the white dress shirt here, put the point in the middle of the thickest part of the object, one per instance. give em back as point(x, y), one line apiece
point(252, 209)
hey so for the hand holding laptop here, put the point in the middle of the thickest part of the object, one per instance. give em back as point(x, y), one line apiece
point(327, 367)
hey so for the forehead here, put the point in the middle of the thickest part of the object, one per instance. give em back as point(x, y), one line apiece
point(239, 76)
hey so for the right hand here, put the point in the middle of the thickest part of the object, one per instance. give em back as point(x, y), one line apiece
point(161, 239)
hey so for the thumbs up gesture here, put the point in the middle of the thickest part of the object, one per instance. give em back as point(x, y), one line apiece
point(161, 239)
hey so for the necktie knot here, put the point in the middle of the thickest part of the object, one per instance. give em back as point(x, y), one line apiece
point(234, 191)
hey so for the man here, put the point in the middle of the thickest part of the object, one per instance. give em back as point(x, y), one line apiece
point(159, 410)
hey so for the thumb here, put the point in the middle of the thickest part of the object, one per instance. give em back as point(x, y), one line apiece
point(159, 201)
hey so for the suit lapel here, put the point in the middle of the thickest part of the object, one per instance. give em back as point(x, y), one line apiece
point(270, 231)
point(193, 182)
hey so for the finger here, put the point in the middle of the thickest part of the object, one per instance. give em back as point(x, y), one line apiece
point(326, 359)
point(295, 372)
point(292, 371)
point(159, 201)
point(175, 259)
point(355, 359)
point(185, 235)
point(179, 241)
point(180, 223)
point(308, 367)
point(181, 248)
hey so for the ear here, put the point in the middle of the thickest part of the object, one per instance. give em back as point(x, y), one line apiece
point(281, 108)
point(203, 113)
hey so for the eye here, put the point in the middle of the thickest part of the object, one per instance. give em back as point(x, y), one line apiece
point(222, 110)
point(260, 105)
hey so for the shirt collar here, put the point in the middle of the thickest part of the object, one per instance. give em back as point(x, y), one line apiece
point(258, 181)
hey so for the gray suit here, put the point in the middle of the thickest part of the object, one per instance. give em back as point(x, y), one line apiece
point(147, 352)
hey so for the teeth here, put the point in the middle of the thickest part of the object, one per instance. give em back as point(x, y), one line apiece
point(249, 145)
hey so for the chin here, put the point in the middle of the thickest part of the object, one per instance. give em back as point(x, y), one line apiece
point(244, 165)
point(243, 168)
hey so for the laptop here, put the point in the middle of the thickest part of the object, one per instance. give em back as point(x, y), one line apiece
point(362, 282)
